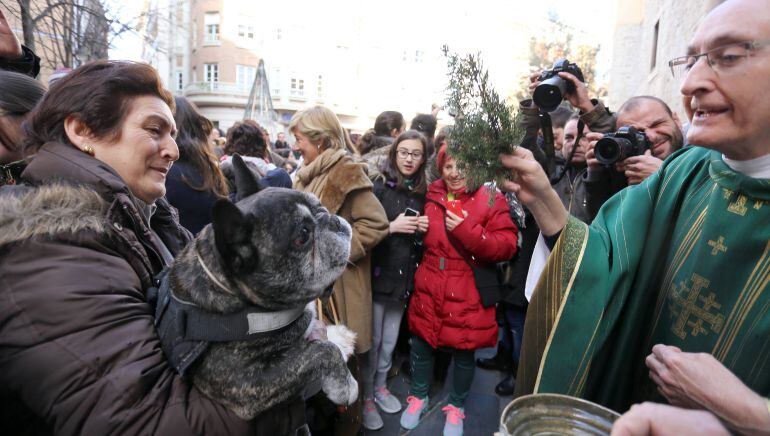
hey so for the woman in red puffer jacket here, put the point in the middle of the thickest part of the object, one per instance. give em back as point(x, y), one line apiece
point(445, 310)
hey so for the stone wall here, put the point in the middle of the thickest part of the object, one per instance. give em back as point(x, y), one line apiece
point(633, 72)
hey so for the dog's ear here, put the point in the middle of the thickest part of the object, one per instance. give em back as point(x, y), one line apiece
point(232, 234)
point(246, 182)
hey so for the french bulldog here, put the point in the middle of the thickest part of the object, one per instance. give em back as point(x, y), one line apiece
point(277, 249)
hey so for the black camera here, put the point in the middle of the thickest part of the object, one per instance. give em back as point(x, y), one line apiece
point(626, 142)
point(550, 92)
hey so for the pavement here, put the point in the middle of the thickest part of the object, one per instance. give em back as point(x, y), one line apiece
point(482, 407)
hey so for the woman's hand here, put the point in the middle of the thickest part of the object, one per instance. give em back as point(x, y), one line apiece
point(452, 220)
point(422, 224)
point(533, 189)
point(404, 224)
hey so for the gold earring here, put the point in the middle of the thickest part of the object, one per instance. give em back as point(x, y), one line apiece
point(89, 149)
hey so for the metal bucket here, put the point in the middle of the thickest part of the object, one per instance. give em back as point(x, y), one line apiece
point(552, 414)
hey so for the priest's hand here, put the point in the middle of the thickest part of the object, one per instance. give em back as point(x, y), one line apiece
point(10, 47)
point(660, 419)
point(700, 381)
point(532, 188)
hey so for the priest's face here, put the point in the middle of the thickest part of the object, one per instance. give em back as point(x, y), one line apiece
point(729, 89)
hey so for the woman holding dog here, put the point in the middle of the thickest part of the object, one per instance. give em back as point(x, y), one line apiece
point(401, 188)
point(446, 309)
point(343, 187)
point(79, 245)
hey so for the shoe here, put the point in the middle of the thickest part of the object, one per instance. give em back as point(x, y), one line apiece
point(372, 418)
point(387, 401)
point(411, 416)
point(453, 426)
point(494, 363)
point(505, 387)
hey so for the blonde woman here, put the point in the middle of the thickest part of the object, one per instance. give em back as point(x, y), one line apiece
point(329, 171)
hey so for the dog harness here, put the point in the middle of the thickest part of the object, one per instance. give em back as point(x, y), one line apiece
point(186, 330)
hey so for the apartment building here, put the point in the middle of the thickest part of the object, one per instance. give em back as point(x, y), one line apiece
point(209, 51)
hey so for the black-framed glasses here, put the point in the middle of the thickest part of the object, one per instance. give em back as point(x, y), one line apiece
point(721, 59)
point(402, 153)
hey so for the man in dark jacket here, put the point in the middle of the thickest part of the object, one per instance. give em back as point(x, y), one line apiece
point(660, 125)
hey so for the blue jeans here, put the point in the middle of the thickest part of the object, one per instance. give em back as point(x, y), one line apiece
point(512, 328)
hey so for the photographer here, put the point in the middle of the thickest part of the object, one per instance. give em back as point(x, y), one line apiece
point(662, 129)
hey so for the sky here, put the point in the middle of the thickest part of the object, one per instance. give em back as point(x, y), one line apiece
point(459, 24)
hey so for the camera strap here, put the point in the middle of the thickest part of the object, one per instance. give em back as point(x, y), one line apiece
point(581, 125)
point(546, 128)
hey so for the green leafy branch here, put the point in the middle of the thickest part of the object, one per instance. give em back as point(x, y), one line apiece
point(484, 124)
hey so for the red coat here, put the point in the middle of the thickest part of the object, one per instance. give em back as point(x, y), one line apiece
point(445, 309)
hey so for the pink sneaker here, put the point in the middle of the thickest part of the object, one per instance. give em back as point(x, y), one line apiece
point(414, 409)
point(371, 417)
point(454, 420)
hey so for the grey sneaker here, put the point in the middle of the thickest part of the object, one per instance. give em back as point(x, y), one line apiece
point(453, 426)
point(372, 418)
point(387, 401)
point(411, 416)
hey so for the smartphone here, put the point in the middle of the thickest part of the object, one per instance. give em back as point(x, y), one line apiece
point(455, 206)
point(411, 212)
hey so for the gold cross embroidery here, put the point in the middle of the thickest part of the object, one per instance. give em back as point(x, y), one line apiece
point(718, 245)
point(738, 206)
point(685, 306)
point(727, 193)
point(758, 204)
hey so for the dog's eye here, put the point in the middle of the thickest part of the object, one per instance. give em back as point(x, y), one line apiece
point(304, 236)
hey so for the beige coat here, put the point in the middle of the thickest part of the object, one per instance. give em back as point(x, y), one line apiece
point(344, 189)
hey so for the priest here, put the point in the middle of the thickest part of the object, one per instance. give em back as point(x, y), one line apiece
point(681, 261)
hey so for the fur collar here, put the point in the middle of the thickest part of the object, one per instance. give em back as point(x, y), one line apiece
point(50, 210)
point(341, 175)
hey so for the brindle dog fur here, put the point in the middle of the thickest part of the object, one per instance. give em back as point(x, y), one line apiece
point(278, 249)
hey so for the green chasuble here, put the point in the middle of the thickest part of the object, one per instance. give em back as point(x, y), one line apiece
point(682, 259)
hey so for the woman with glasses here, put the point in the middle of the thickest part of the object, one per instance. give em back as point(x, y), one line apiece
point(467, 230)
point(401, 189)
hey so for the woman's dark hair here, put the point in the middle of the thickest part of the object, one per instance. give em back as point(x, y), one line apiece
point(387, 121)
point(443, 136)
point(99, 94)
point(19, 94)
point(419, 183)
point(380, 137)
point(246, 139)
point(425, 124)
point(192, 139)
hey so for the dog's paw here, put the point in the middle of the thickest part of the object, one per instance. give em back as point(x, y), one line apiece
point(343, 338)
point(343, 392)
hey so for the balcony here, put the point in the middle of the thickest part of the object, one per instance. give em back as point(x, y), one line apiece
point(218, 93)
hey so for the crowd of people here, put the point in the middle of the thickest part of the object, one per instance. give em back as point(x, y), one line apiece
point(639, 280)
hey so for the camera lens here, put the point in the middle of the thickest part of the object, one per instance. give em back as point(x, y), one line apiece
point(549, 93)
point(611, 150)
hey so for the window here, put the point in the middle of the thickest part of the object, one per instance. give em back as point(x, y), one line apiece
point(245, 31)
point(195, 34)
point(654, 59)
point(278, 34)
point(179, 81)
point(211, 28)
point(297, 87)
point(211, 73)
point(320, 86)
point(418, 56)
point(275, 81)
point(244, 76)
